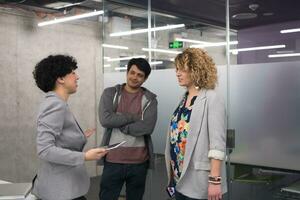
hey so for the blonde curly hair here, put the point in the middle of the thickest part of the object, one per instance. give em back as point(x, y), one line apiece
point(201, 66)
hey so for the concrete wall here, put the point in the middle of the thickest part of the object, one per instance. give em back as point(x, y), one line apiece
point(22, 45)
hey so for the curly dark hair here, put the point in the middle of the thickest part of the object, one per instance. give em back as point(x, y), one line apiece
point(141, 63)
point(48, 70)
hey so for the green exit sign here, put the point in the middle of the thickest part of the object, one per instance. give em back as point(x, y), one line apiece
point(175, 45)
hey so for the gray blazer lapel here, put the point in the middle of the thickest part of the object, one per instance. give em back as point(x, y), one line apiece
point(195, 125)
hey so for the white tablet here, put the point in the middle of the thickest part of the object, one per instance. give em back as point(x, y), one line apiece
point(114, 146)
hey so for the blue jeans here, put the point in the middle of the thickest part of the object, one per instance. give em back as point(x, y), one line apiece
point(179, 196)
point(115, 175)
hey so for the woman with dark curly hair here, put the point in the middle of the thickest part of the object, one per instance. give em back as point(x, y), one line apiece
point(195, 149)
point(60, 141)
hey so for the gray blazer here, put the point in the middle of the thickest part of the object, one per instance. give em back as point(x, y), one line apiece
point(62, 174)
point(205, 140)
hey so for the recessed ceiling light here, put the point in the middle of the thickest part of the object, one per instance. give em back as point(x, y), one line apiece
point(70, 18)
point(125, 58)
point(137, 31)
point(290, 30)
point(235, 51)
point(285, 51)
point(214, 44)
point(268, 14)
point(156, 63)
point(283, 55)
point(244, 16)
point(56, 4)
point(161, 50)
point(114, 46)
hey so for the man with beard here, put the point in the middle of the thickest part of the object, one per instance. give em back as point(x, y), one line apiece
point(128, 112)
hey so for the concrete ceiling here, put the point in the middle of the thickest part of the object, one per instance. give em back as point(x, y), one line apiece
point(243, 13)
point(213, 11)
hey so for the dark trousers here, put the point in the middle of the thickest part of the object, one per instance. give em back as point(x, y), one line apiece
point(78, 198)
point(115, 175)
point(179, 196)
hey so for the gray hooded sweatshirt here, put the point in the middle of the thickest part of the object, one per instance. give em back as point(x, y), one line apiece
point(127, 123)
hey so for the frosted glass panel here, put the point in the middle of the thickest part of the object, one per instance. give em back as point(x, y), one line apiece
point(265, 112)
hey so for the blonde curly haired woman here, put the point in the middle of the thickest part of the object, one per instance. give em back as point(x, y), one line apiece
point(196, 142)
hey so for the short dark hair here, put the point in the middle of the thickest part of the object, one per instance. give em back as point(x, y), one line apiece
point(141, 63)
point(48, 70)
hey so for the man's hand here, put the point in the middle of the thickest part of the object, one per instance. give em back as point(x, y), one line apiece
point(89, 132)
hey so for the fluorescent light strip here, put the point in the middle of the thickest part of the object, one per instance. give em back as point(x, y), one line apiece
point(290, 30)
point(283, 55)
point(202, 44)
point(106, 58)
point(161, 50)
point(68, 5)
point(146, 30)
point(164, 15)
point(234, 51)
point(125, 58)
point(114, 46)
point(156, 63)
point(107, 65)
point(285, 51)
point(120, 68)
point(192, 41)
point(65, 19)
point(214, 44)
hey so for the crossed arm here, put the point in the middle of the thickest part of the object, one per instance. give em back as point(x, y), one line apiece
point(108, 117)
point(143, 126)
point(131, 124)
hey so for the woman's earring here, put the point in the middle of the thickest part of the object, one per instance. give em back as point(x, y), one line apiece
point(197, 87)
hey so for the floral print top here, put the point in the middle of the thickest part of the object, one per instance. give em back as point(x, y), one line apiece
point(179, 130)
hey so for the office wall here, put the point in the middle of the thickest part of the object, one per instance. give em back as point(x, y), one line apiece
point(22, 45)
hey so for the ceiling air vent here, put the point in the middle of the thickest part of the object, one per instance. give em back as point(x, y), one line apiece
point(250, 15)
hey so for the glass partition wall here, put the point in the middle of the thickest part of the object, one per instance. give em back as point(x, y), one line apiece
point(119, 43)
point(127, 34)
point(102, 45)
point(264, 99)
point(258, 74)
